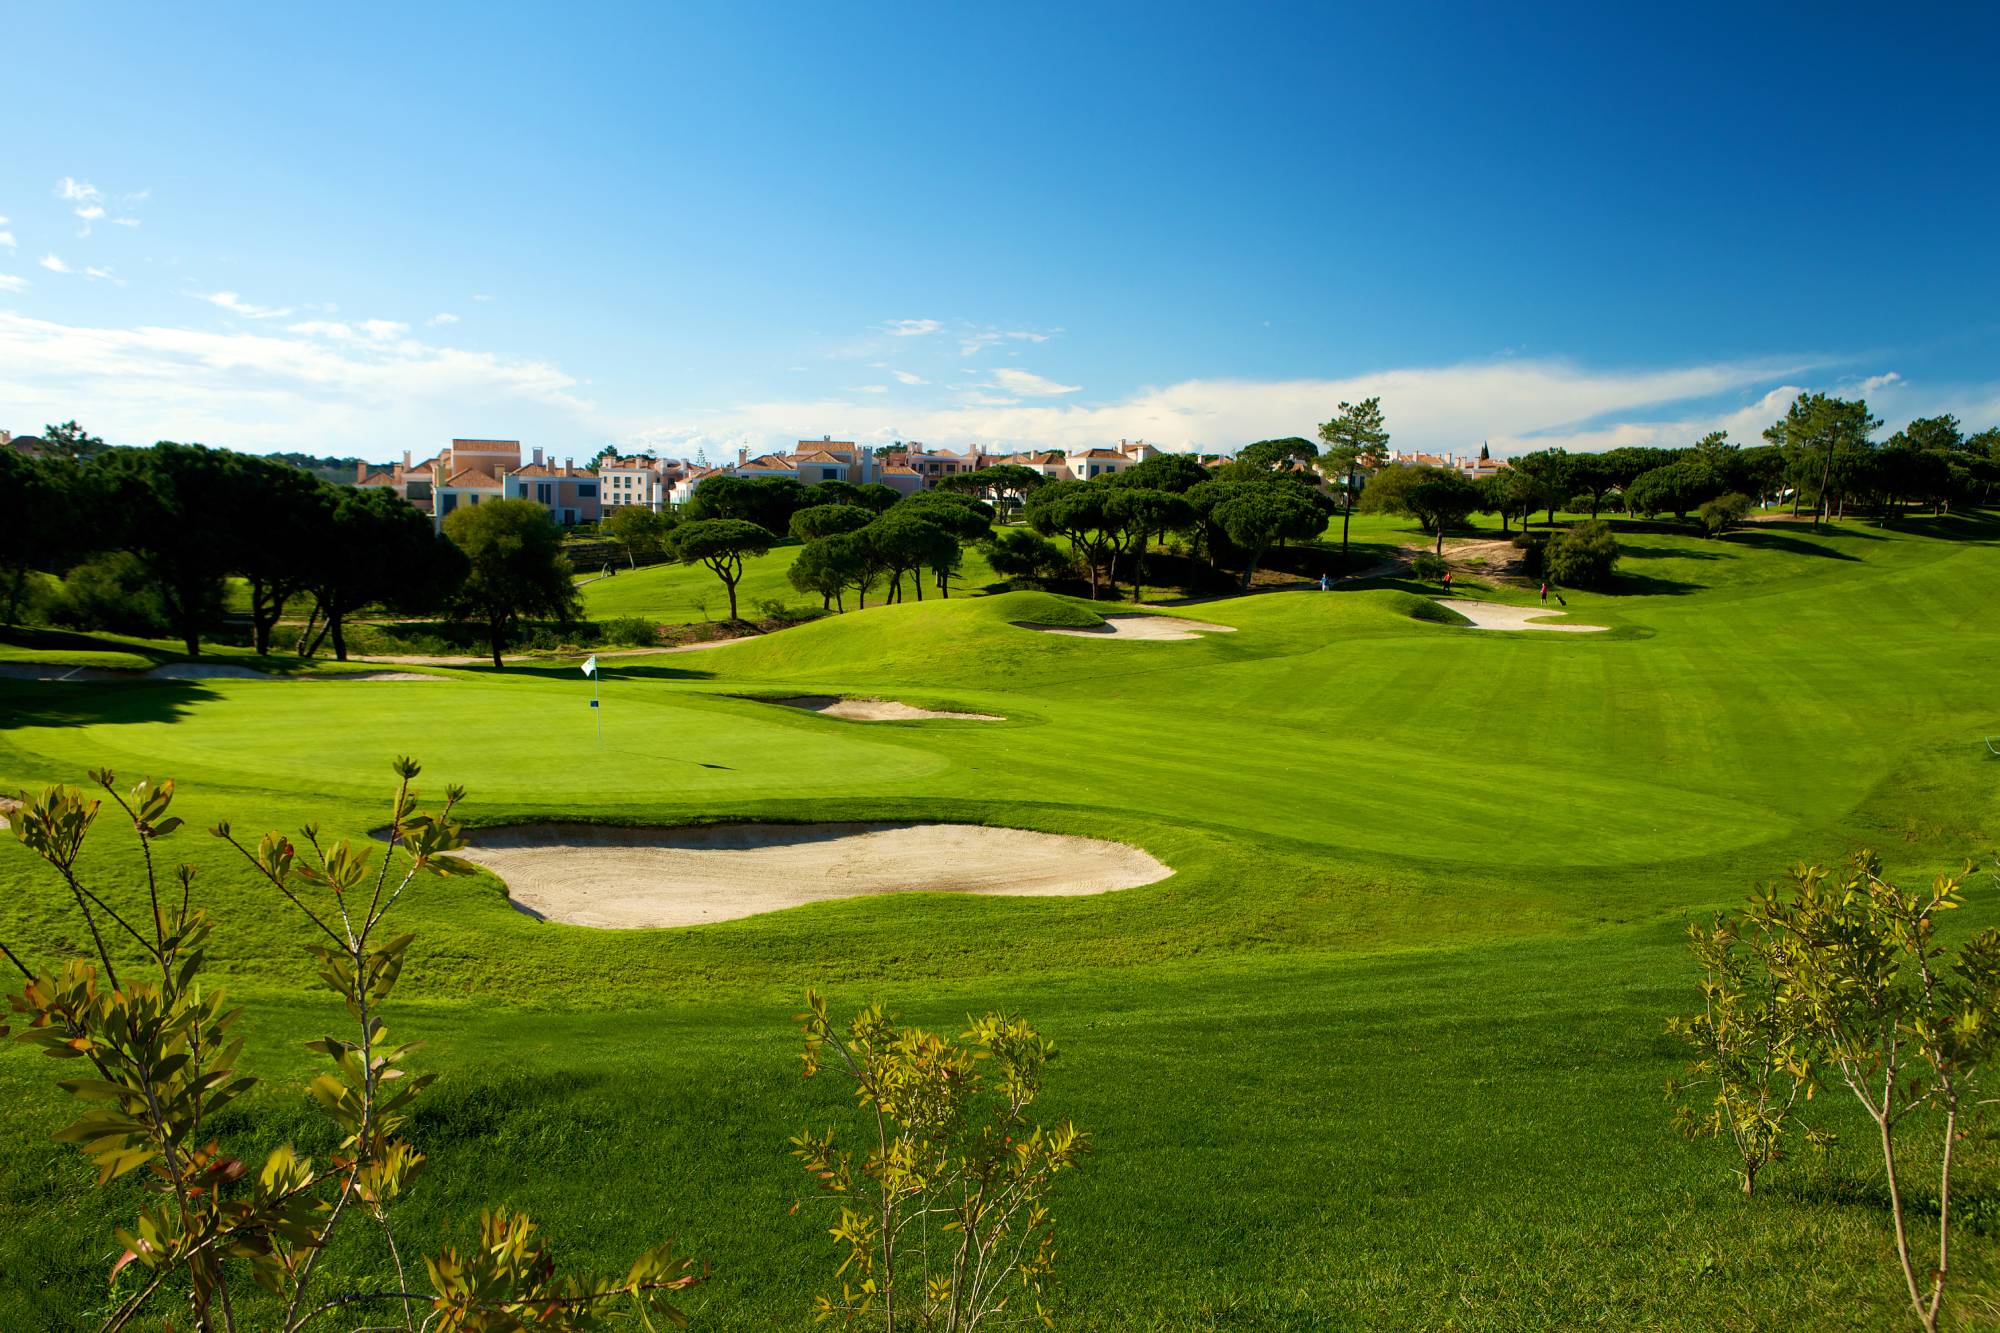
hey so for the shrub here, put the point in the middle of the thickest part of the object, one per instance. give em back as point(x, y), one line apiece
point(1427, 565)
point(1584, 556)
point(113, 593)
point(631, 632)
point(167, 1054)
point(1843, 974)
point(1723, 513)
point(949, 1150)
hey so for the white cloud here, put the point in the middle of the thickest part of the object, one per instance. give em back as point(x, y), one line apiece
point(441, 319)
point(1877, 382)
point(236, 305)
point(96, 274)
point(1517, 405)
point(10, 283)
point(383, 329)
point(482, 296)
point(7, 237)
point(88, 203)
point(1031, 385)
point(54, 264)
point(973, 343)
point(870, 388)
point(264, 389)
point(910, 328)
point(906, 377)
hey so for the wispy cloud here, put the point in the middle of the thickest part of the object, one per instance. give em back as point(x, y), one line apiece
point(265, 389)
point(11, 283)
point(96, 274)
point(7, 237)
point(442, 318)
point(383, 329)
point(905, 377)
point(910, 328)
point(236, 305)
point(54, 264)
point(971, 344)
point(1031, 385)
point(90, 204)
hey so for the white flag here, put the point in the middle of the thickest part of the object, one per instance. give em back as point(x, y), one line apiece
point(590, 667)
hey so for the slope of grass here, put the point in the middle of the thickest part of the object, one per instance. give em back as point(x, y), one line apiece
point(1385, 1051)
point(673, 594)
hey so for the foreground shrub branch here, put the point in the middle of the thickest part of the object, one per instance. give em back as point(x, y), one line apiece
point(165, 1055)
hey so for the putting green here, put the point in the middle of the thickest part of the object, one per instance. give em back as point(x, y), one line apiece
point(1386, 1043)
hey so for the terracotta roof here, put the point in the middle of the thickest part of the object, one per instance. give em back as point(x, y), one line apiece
point(899, 469)
point(378, 479)
point(769, 462)
point(1098, 453)
point(474, 479)
point(817, 456)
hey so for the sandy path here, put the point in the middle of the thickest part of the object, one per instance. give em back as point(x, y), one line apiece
point(874, 710)
point(623, 878)
point(1495, 615)
point(1160, 629)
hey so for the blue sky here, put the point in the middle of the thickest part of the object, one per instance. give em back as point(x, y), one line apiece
point(365, 230)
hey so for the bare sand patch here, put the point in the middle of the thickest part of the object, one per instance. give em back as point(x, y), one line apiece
point(874, 710)
point(1495, 615)
point(205, 671)
point(1155, 628)
point(624, 878)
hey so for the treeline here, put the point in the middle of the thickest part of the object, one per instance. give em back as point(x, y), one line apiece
point(145, 539)
point(1819, 455)
point(858, 539)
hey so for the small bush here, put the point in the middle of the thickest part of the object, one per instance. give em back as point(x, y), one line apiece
point(1427, 565)
point(1534, 549)
point(112, 593)
point(1723, 513)
point(631, 632)
point(1584, 556)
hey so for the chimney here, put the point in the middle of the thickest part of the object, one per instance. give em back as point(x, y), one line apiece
point(360, 468)
point(538, 455)
point(569, 465)
point(742, 455)
point(406, 460)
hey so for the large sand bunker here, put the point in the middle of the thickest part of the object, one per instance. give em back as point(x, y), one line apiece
point(875, 710)
point(630, 877)
point(1494, 615)
point(1158, 628)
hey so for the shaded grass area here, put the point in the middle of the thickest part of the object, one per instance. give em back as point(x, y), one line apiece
point(1386, 1051)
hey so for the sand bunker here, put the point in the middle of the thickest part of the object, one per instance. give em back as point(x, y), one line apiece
point(874, 710)
point(631, 877)
point(1158, 628)
point(1493, 615)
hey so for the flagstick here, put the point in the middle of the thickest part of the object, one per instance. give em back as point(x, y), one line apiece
point(597, 703)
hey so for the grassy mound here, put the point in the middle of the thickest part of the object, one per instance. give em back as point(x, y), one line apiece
point(1044, 608)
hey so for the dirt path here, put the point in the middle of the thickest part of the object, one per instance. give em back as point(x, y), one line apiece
point(626, 878)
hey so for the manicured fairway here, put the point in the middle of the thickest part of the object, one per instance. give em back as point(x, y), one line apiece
point(1386, 1050)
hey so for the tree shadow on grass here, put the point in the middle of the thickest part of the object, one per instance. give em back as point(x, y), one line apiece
point(613, 669)
point(1779, 541)
point(1625, 584)
point(1671, 553)
point(42, 703)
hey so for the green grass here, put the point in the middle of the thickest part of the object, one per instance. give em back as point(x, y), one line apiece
point(1386, 1050)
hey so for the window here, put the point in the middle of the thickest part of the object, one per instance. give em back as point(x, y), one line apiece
point(829, 474)
point(543, 491)
point(586, 490)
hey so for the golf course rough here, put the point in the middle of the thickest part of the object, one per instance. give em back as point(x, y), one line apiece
point(593, 875)
point(1385, 1049)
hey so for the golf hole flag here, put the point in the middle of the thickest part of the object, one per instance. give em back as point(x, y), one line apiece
point(590, 666)
point(590, 670)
